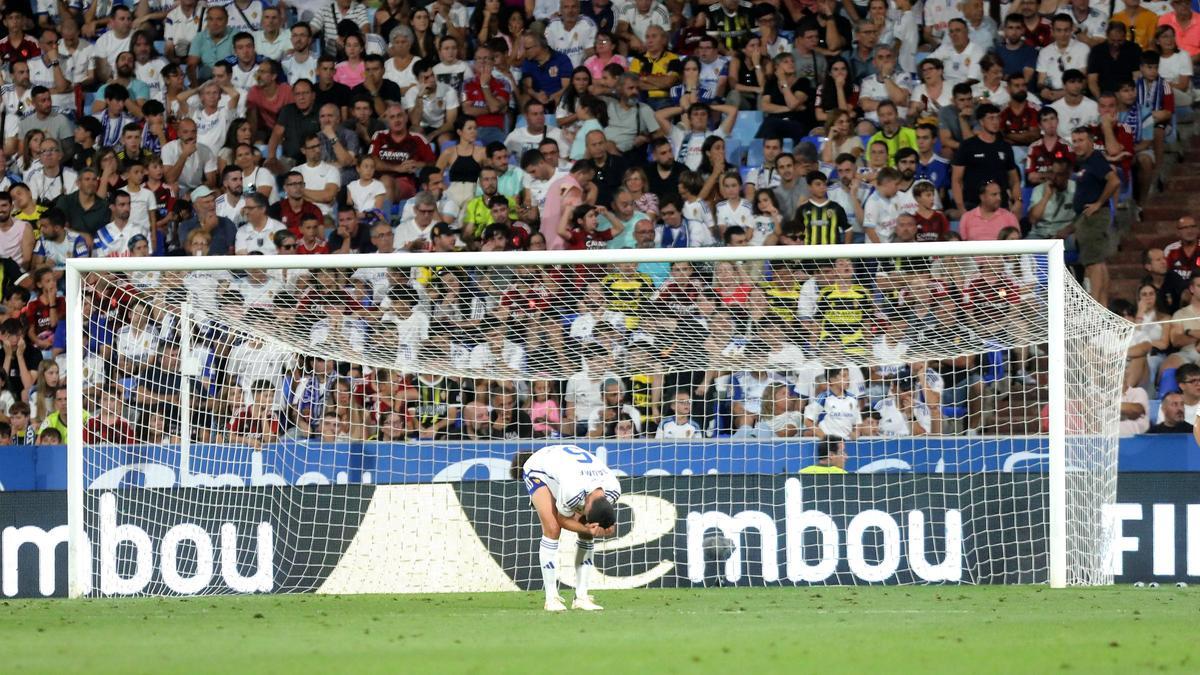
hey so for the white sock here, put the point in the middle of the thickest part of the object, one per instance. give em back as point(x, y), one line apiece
point(547, 553)
point(583, 566)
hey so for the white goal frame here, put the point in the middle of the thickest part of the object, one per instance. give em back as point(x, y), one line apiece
point(79, 558)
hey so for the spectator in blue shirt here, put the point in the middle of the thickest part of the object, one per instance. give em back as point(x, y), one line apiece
point(545, 73)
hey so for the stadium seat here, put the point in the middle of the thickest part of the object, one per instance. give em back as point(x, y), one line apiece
point(1026, 196)
point(1152, 413)
point(520, 122)
point(815, 140)
point(754, 153)
point(747, 124)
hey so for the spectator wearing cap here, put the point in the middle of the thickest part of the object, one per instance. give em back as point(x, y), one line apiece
point(1065, 55)
point(443, 238)
point(983, 158)
point(86, 211)
point(221, 231)
point(1073, 108)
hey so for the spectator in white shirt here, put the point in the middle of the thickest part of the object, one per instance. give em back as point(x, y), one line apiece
point(257, 235)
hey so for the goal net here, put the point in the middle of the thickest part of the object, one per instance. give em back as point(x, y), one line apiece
point(787, 415)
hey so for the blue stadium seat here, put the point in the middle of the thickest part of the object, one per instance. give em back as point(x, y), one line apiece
point(815, 140)
point(754, 153)
point(520, 122)
point(1152, 413)
point(1026, 196)
point(747, 124)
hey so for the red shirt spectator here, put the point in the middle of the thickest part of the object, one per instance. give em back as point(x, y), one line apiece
point(291, 215)
point(37, 314)
point(1183, 256)
point(473, 97)
point(1013, 122)
point(268, 106)
point(1041, 35)
point(933, 227)
point(23, 49)
point(394, 147)
point(991, 295)
point(1042, 158)
point(317, 247)
point(112, 430)
point(1125, 161)
point(581, 239)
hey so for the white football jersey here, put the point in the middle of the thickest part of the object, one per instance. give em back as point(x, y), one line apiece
point(893, 422)
point(571, 473)
point(836, 415)
point(673, 428)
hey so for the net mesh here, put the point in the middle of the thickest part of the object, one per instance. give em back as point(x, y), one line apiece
point(245, 428)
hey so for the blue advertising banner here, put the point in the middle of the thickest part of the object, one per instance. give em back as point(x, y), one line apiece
point(304, 463)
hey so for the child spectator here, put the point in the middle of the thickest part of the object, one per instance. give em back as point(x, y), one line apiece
point(680, 424)
point(932, 225)
point(836, 411)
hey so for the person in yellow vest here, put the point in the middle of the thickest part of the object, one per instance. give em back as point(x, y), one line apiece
point(831, 457)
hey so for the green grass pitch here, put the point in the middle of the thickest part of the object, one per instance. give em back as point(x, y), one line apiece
point(740, 631)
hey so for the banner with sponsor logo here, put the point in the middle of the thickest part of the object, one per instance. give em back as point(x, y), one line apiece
point(303, 463)
point(674, 531)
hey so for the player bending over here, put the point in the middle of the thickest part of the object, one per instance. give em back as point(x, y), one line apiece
point(570, 489)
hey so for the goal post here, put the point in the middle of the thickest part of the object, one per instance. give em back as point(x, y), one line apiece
point(194, 470)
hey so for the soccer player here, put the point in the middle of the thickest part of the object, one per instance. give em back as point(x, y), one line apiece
point(570, 488)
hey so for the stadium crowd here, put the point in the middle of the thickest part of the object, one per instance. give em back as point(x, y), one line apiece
point(307, 128)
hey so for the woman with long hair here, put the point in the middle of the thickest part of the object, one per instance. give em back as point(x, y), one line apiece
point(1174, 65)
point(932, 94)
point(399, 68)
point(567, 112)
point(840, 138)
point(30, 157)
point(464, 160)
point(239, 132)
point(712, 165)
point(485, 23)
point(514, 28)
point(255, 178)
point(392, 13)
point(424, 41)
point(748, 72)
point(690, 90)
point(351, 71)
point(45, 383)
point(110, 173)
point(767, 216)
point(593, 116)
point(1148, 337)
point(837, 92)
point(604, 53)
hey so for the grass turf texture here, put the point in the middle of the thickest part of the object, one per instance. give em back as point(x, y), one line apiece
point(742, 631)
